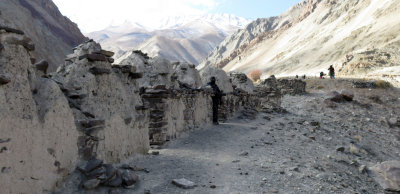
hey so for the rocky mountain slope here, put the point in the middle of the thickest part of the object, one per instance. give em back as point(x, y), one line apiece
point(314, 34)
point(53, 34)
point(186, 38)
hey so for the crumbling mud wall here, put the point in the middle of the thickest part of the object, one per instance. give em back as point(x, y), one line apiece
point(106, 104)
point(37, 130)
point(91, 109)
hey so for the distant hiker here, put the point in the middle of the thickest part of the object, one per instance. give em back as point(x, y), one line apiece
point(321, 75)
point(216, 99)
point(331, 72)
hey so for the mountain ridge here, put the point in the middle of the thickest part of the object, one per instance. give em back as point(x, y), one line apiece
point(312, 35)
point(195, 29)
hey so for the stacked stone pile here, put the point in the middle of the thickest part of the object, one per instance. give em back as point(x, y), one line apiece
point(97, 174)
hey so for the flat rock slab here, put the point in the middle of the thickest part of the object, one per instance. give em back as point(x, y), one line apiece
point(387, 174)
point(93, 57)
point(184, 183)
point(12, 30)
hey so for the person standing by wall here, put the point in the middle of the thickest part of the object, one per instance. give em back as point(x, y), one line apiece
point(216, 99)
point(331, 72)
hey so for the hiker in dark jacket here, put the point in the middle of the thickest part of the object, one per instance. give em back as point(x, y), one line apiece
point(216, 99)
point(331, 72)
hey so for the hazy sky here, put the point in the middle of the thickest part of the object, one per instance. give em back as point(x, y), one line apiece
point(92, 15)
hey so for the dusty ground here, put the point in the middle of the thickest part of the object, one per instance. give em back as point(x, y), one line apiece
point(294, 152)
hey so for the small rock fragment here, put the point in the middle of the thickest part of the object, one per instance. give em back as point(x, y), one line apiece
point(5, 79)
point(128, 178)
point(347, 95)
point(340, 149)
point(244, 154)
point(42, 66)
point(184, 183)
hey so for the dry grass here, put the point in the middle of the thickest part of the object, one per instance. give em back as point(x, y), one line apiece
point(383, 84)
point(255, 75)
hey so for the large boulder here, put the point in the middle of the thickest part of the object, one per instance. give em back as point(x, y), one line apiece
point(223, 81)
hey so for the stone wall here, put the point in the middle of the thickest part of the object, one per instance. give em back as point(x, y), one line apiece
point(292, 86)
point(91, 109)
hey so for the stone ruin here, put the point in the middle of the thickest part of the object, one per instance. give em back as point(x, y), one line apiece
point(91, 113)
point(292, 86)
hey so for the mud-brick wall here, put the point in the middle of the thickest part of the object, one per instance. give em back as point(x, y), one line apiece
point(107, 109)
point(37, 130)
point(175, 111)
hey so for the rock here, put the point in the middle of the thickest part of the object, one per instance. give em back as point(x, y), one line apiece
point(314, 123)
point(11, 30)
point(93, 57)
point(116, 181)
point(354, 149)
point(5, 79)
point(186, 76)
point(128, 178)
point(244, 154)
point(387, 174)
point(91, 184)
point(107, 53)
point(136, 75)
point(340, 149)
point(223, 81)
point(347, 95)
point(159, 87)
point(42, 66)
point(393, 122)
point(18, 40)
point(242, 82)
point(1, 47)
point(110, 173)
point(91, 165)
point(335, 97)
point(362, 169)
point(5, 140)
point(213, 186)
point(96, 172)
point(99, 70)
point(184, 183)
point(110, 60)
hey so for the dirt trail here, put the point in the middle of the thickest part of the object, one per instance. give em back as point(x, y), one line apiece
point(312, 148)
